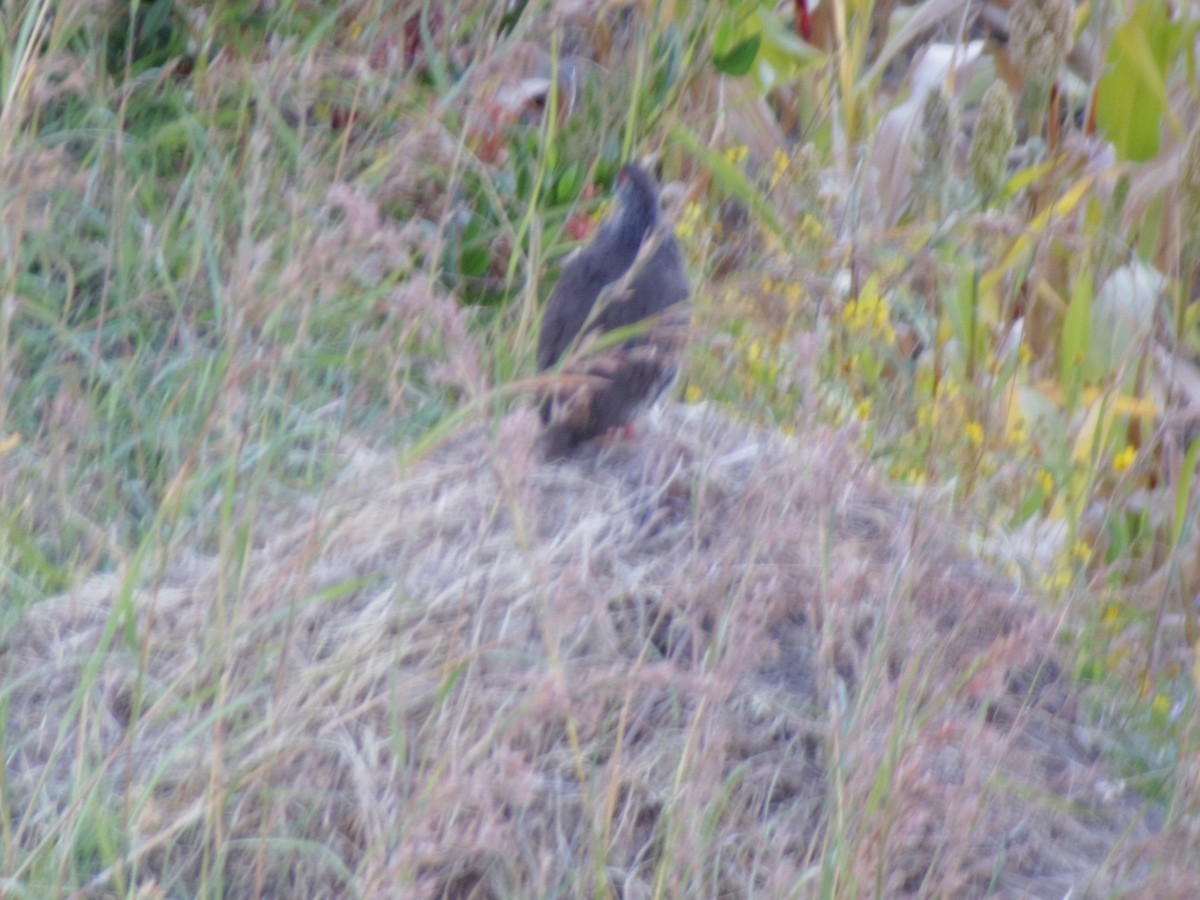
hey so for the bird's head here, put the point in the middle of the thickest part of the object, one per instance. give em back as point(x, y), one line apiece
point(637, 195)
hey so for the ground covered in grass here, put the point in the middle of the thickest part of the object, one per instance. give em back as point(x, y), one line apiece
point(892, 597)
point(710, 663)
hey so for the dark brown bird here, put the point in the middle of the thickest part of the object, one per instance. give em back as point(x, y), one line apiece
point(633, 267)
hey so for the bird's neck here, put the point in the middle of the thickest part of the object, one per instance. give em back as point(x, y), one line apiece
point(625, 239)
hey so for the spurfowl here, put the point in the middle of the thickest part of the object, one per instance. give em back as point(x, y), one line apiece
point(631, 276)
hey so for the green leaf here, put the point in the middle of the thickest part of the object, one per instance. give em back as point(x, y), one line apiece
point(738, 61)
point(784, 56)
point(1122, 314)
point(1183, 493)
point(960, 307)
point(1133, 91)
point(569, 184)
point(475, 262)
point(475, 257)
point(783, 43)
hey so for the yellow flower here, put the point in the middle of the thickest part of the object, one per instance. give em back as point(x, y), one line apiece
point(690, 221)
point(863, 410)
point(1057, 582)
point(602, 211)
point(974, 433)
point(810, 227)
point(1160, 705)
point(738, 154)
point(691, 394)
point(780, 160)
point(1018, 432)
point(870, 313)
point(1045, 481)
point(1123, 460)
point(1082, 551)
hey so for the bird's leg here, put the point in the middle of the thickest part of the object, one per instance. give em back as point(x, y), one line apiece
point(619, 434)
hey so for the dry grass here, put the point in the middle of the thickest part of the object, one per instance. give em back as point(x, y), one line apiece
point(710, 663)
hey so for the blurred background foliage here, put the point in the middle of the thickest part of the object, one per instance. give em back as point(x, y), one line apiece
point(240, 236)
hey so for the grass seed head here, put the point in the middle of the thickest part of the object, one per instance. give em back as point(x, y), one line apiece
point(994, 138)
point(1041, 33)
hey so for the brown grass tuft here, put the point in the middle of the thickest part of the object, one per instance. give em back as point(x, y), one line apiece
point(712, 662)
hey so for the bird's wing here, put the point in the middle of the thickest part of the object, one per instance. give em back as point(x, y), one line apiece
point(602, 389)
point(567, 310)
point(659, 284)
